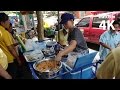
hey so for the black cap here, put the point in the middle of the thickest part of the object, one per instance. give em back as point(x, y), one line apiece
point(65, 17)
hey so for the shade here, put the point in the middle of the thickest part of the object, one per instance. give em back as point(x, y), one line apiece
point(26, 12)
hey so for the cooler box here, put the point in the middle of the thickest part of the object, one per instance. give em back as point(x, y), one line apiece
point(82, 68)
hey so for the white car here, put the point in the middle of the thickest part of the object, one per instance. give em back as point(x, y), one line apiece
point(76, 21)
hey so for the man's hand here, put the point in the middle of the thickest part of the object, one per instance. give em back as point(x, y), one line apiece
point(19, 62)
point(4, 73)
point(15, 44)
point(15, 54)
point(59, 57)
point(8, 77)
point(67, 50)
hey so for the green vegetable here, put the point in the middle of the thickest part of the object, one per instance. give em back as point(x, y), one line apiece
point(21, 42)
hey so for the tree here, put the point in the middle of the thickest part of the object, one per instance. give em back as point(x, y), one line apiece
point(40, 25)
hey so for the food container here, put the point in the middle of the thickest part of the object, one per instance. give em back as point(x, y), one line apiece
point(51, 44)
point(47, 72)
point(48, 52)
point(33, 56)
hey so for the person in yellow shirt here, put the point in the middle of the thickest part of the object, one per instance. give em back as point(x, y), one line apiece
point(7, 46)
point(63, 37)
point(3, 66)
point(12, 33)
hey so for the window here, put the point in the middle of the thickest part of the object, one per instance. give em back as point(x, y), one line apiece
point(84, 22)
point(97, 21)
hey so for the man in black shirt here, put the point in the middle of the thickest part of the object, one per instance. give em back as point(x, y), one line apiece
point(77, 35)
point(77, 45)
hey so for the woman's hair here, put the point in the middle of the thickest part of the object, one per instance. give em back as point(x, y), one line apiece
point(10, 24)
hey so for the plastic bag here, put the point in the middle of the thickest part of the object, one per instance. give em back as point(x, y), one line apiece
point(29, 45)
point(41, 45)
point(37, 55)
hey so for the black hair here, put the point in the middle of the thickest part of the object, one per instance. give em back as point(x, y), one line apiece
point(116, 22)
point(3, 17)
point(10, 24)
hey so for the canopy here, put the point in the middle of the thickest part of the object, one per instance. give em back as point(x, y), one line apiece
point(26, 12)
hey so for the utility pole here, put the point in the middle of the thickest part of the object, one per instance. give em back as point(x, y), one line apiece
point(40, 28)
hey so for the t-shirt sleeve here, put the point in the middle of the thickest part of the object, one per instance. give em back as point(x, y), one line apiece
point(77, 35)
point(106, 70)
point(7, 38)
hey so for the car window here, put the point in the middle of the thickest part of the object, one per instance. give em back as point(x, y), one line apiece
point(97, 21)
point(84, 22)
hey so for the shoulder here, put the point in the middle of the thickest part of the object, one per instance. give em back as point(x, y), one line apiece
point(118, 33)
point(3, 32)
point(76, 30)
point(6, 33)
point(104, 33)
point(60, 30)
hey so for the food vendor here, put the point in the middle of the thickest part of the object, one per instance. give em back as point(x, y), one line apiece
point(77, 45)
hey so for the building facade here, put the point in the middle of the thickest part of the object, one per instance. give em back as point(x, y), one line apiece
point(81, 14)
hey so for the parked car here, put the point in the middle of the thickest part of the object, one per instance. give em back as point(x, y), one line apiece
point(89, 25)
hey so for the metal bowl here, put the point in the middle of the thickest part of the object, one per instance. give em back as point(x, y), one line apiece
point(51, 43)
point(46, 74)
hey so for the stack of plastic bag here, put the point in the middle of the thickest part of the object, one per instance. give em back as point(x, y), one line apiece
point(29, 45)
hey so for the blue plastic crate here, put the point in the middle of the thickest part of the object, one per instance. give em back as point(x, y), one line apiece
point(84, 74)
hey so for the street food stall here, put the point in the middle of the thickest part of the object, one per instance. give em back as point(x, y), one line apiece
point(40, 60)
point(40, 55)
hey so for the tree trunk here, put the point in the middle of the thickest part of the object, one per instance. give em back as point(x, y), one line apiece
point(40, 28)
point(58, 26)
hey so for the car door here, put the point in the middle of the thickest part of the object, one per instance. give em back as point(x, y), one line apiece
point(95, 31)
point(84, 26)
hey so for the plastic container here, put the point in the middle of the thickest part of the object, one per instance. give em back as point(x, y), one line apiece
point(84, 74)
point(41, 45)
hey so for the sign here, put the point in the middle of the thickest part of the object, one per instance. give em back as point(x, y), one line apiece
point(109, 24)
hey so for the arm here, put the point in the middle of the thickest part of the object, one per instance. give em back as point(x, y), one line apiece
point(9, 41)
point(15, 44)
point(4, 73)
point(103, 40)
point(104, 45)
point(68, 49)
point(14, 53)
